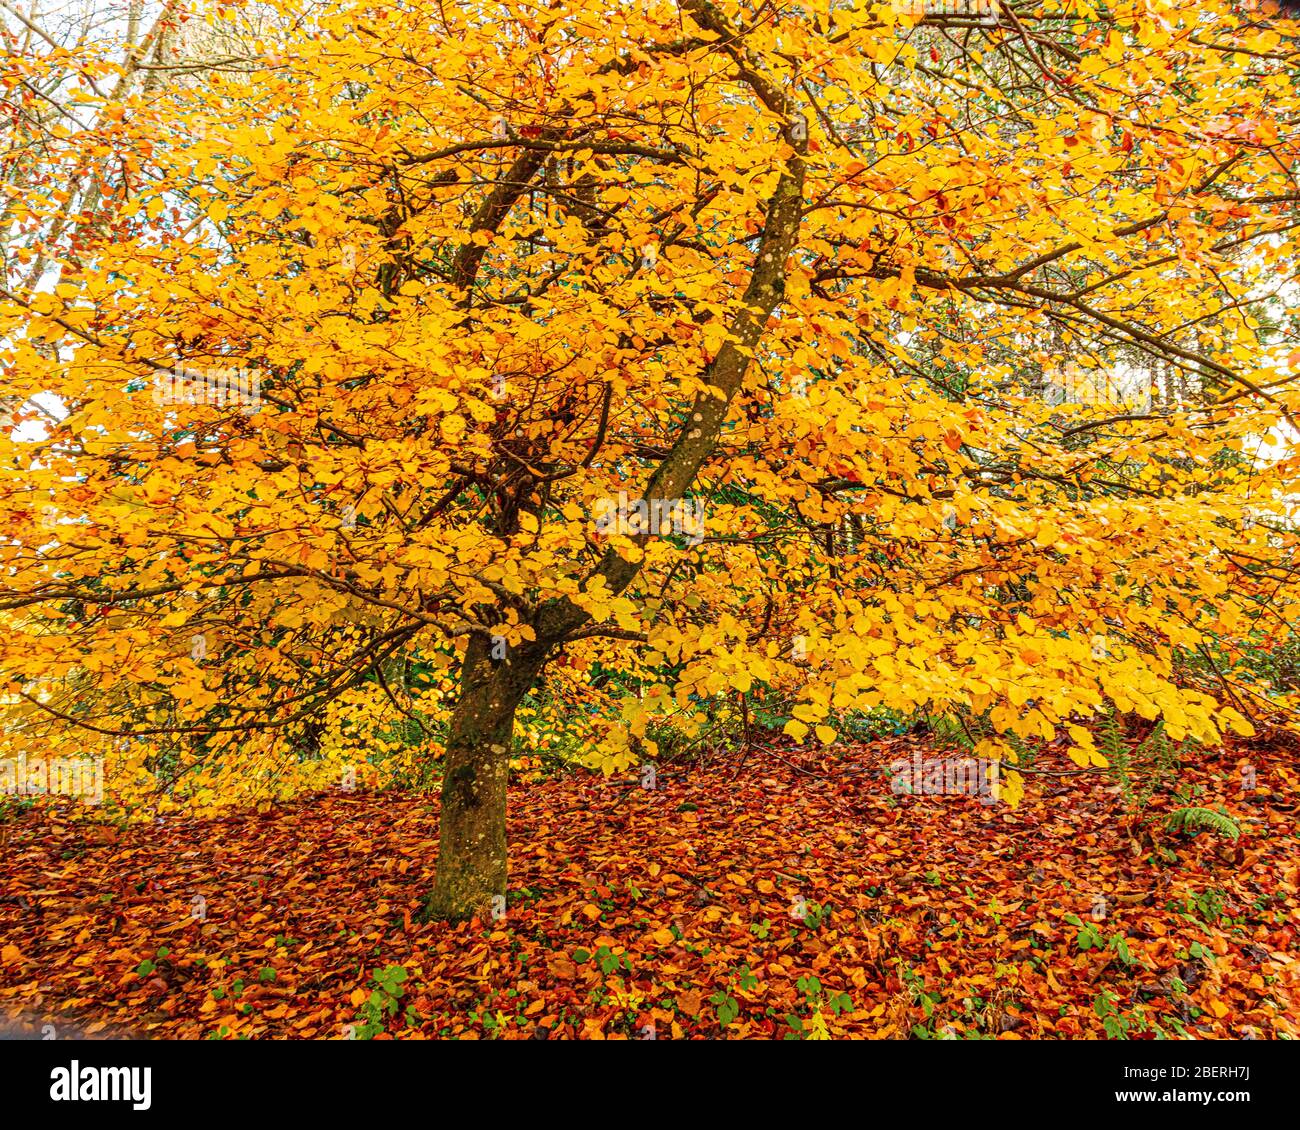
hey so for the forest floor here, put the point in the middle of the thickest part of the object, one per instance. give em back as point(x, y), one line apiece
point(791, 894)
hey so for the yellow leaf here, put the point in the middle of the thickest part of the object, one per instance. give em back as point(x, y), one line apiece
point(1081, 757)
point(1048, 535)
point(795, 729)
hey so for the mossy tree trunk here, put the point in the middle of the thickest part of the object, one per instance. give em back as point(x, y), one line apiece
point(472, 829)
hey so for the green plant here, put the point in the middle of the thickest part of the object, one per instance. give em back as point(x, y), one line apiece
point(1091, 938)
point(606, 959)
point(15, 807)
point(1118, 1024)
point(1115, 1023)
point(1207, 906)
point(816, 998)
point(382, 1003)
point(1192, 820)
point(1088, 936)
point(148, 966)
point(1142, 769)
point(728, 1008)
point(811, 914)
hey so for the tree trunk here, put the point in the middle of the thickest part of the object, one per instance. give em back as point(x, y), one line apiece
point(471, 874)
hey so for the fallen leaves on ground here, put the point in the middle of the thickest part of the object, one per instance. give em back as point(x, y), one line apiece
point(788, 893)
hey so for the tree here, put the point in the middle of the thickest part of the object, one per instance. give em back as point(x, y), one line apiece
point(705, 343)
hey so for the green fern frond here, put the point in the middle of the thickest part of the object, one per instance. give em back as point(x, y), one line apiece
point(1155, 745)
point(1193, 820)
point(1112, 745)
